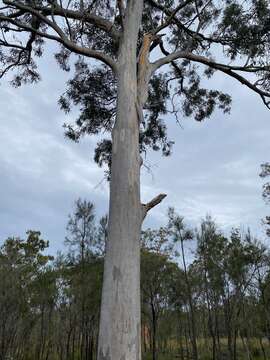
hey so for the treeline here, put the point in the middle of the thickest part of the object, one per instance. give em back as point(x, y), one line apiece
point(209, 303)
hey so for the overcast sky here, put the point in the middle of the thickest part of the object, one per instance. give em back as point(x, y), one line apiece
point(214, 168)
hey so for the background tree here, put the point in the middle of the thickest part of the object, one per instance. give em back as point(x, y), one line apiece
point(84, 266)
point(231, 37)
point(158, 283)
point(180, 233)
point(209, 264)
point(81, 229)
point(21, 269)
point(228, 266)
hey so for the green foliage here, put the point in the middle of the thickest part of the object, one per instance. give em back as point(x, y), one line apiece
point(23, 269)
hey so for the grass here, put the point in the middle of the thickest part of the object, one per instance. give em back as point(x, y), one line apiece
point(205, 352)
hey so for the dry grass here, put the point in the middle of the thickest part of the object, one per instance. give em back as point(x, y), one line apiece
point(205, 351)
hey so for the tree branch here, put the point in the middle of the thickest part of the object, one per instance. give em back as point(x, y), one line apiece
point(198, 58)
point(62, 38)
point(171, 16)
point(14, 64)
point(121, 9)
point(84, 16)
point(194, 34)
point(154, 202)
point(227, 69)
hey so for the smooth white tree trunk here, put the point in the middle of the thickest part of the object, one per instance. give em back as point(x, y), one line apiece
point(120, 323)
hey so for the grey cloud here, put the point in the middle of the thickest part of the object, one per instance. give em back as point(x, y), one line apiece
point(42, 173)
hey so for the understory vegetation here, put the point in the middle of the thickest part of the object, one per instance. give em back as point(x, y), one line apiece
point(204, 295)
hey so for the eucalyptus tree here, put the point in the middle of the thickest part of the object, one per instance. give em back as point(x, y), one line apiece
point(132, 57)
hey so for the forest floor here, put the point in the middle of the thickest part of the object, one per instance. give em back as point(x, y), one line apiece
point(255, 351)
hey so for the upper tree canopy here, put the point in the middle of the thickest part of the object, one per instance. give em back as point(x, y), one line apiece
point(180, 42)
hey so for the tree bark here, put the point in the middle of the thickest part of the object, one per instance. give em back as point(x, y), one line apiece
point(154, 333)
point(120, 321)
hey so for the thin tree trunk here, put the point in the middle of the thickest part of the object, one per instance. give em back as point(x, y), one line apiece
point(144, 335)
point(235, 344)
point(73, 344)
point(230, 344)
point(181, 350)
point(193, 336)
point(246, 347)
point(186, 341)
point(120, 321)
point(228, 326)
point(154, 333)
point(68, 343)
point(217, 330)
point(263, 349)
point(211, 325)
